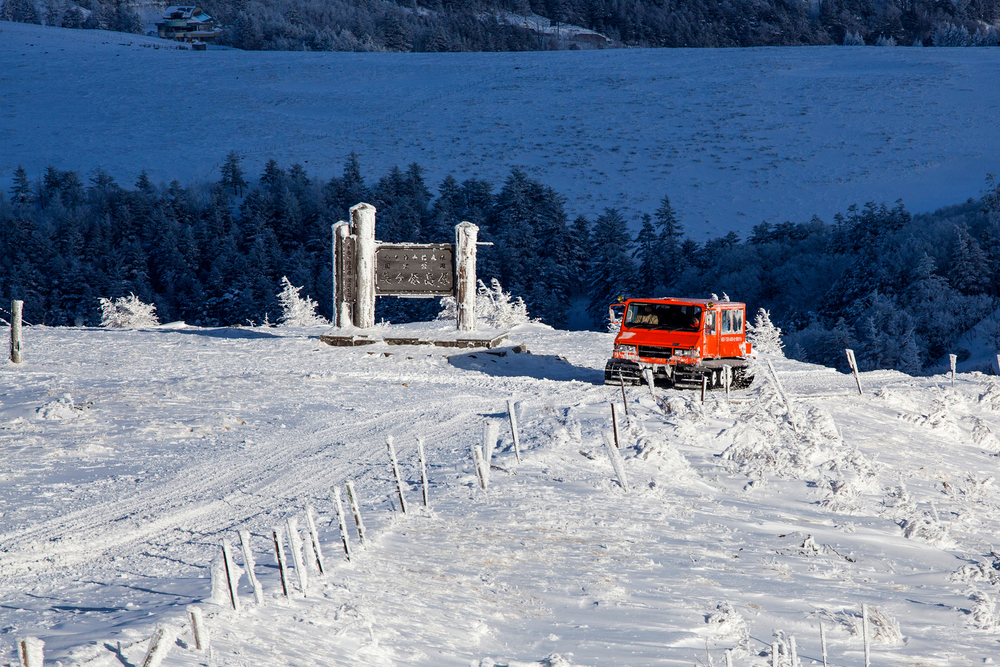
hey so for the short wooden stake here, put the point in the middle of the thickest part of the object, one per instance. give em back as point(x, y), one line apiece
point(774, 654)
point(784, 397)
point(422, 459)
point(621, 379)
point(279, 551)
point(352, 497)
point(314, 537)
point(342, 520)
point(865, 632)
point(395, 472)
point(477, 459)
point(794, 651)
point(232, 579)
point(512, 416)
point(158, 647)
point(249, 563)
point(616, 462)
point(491, 432)
point(704, 387)
point(822, 642)
point(295, 542)
point(953, 358)
point(729, 657)
point(614, 424)
point(727, 379)
point(198, 629)
point(32, 652)
point(16, 308)
point(853, 363)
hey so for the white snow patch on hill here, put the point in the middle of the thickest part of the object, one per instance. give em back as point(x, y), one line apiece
point(733, 136)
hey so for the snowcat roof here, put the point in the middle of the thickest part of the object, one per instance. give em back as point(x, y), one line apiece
point(693, 302)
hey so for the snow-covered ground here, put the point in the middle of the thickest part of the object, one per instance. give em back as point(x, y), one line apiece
point(733, 136)
point(129, 455)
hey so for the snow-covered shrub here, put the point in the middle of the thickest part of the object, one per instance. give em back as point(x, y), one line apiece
point(497, 309)
point(127, 312)
point(764, 337)
point(297, 311)
point(950, 34)
point(854, 39)
point(885, 41)
point(884, 629)
point(926, 529)
point(986, 36)
point(727, 623)
point(983, 615)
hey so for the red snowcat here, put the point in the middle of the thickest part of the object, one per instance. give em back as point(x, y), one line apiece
point(681, 341)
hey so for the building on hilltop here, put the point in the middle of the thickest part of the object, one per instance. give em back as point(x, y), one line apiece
point(188, 24)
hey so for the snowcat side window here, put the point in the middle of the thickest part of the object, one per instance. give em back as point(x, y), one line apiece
point(710, 322)
point(727, 321)
point(737, 321)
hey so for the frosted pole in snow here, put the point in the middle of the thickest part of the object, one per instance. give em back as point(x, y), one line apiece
point(314, 537)
point(341, 306)
point(647, 375)
point(249, 563)
point(794, 651)
point(784, 397)
point(727, 379)
point(422, 458)
point(352, 497)
point(704, 387)
point(232, 579)
point(729, 657)
point(621, 380)
point(512, 416)
point(395, 471)
point(614, 425)
point(864, 631)
point(32, 652)
point(158, 647)
point(279, 552)
point(16, 308)
point(363, 223)
point(198, 629)
point(465, 269)
point(491, 432)
point(953, 358)
point(477, 458)
point(774, 654)
point(616, 461)
point(342, 520)
point(822, 642)
point(853, 363)
point(295, 542)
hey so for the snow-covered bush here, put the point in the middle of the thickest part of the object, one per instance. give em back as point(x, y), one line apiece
point(127, 312)
point(497, 309)
point(297, 311)
point(764, 337)
point(885, 41)
point(854, 39)
point(950, 34)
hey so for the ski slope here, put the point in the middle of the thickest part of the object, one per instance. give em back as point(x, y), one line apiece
point(130, 454)
point(733, 136)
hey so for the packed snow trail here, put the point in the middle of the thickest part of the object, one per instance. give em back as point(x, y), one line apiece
point(131, 454)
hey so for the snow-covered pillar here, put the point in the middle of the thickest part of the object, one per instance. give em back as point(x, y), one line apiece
point(465, 263)
point(16, 308)
point(341, 302)
point(363, 222)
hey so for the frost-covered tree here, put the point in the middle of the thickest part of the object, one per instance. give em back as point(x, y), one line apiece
point(127, 312)
point(764, 337)
point(296, 310)
point(612, 273)
point(970, 272)
point(232, 174)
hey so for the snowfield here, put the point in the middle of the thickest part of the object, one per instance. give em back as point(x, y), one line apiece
point(733, 136)
point(130, 454)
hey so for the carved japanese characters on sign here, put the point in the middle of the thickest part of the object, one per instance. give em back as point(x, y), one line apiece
point(415, 270)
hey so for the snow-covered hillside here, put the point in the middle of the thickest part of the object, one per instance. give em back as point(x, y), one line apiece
point(129, 455)
point(734, 137)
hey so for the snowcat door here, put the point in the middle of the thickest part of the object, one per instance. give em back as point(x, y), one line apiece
point(710, 335)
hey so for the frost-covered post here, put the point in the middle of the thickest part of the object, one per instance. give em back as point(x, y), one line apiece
point(198, 629)
point(477, 459)
point(774, 654)
point(794, 651)
point(465, 269)
point(395, 471)
point(784, 397)
point(616, 461)
point(614, 425)
point(422, 458)
point(729, 657)
point(854, 368)
point(341, 267)
point(363, 222)
point(32, 651)
point(314, 536)
point(491, 432)
point(249, 563)
point(822, 641)
point(342, 520)
point(232, 579)
point(953, 358)
point(16, 308)
point(158, 647)
point(512, 415)
point(352, 497)
point(867, 636)
point(727, 379)
point(279, 551)
point(295, 541)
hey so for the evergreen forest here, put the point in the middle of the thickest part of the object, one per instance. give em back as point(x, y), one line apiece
point(492, 25)
point(899, 288)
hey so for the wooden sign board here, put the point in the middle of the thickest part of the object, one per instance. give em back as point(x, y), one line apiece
point(347, 280)
point(422, 270)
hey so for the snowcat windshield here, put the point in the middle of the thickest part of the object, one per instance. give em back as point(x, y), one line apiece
point(668, 317)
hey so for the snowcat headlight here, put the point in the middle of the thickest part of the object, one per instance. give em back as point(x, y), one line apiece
point(626, 352)
point(686, 353)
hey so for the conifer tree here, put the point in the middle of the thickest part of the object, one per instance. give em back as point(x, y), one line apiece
point(612, 273)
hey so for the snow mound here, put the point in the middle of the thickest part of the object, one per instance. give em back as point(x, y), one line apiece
point(983, 436)
point(990, 399)
point(727, 623)
point(926, 529)
point(981, 571)
point(554, 660)
point(983, 615)
point(664, 455)
point(64, 408)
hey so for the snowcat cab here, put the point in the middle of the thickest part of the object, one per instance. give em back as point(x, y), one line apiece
point(681, 341)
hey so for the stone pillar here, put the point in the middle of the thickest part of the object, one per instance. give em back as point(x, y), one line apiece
point(465, 268)
point(363, 223)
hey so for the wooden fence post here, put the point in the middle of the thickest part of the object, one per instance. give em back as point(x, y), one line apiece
point(32, 651)
point(614, 425)
point(16, 310)
point(231, 577)
point(279, 552)
point(727, 379)
point(198, 629)
point(352, 497)
point(249, 563)
point(342, 520)
point(621, 380)
point(314, 536)
point(512, 416)
point(491, 432)
point(421, 457)
point(784, 397)
point(465, 269)
point(295, 541)
point(794, 651)
point(395, 471)
point(616, 462)
point(363, 222)
point(953, 359)
point(342, 266)
point(822, 641)
point(729, 657)
point(158, 647)
point(866, 633)
point(477, 459)
point(854, 369)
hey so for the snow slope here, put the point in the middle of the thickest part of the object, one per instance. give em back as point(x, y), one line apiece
point(733, 136)
point(129, 455)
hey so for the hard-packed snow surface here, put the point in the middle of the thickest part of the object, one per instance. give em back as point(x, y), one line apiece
point(130, 454)
point(733, 136)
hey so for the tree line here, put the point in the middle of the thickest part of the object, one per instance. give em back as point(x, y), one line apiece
point(899, 288)
point(486, 25)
